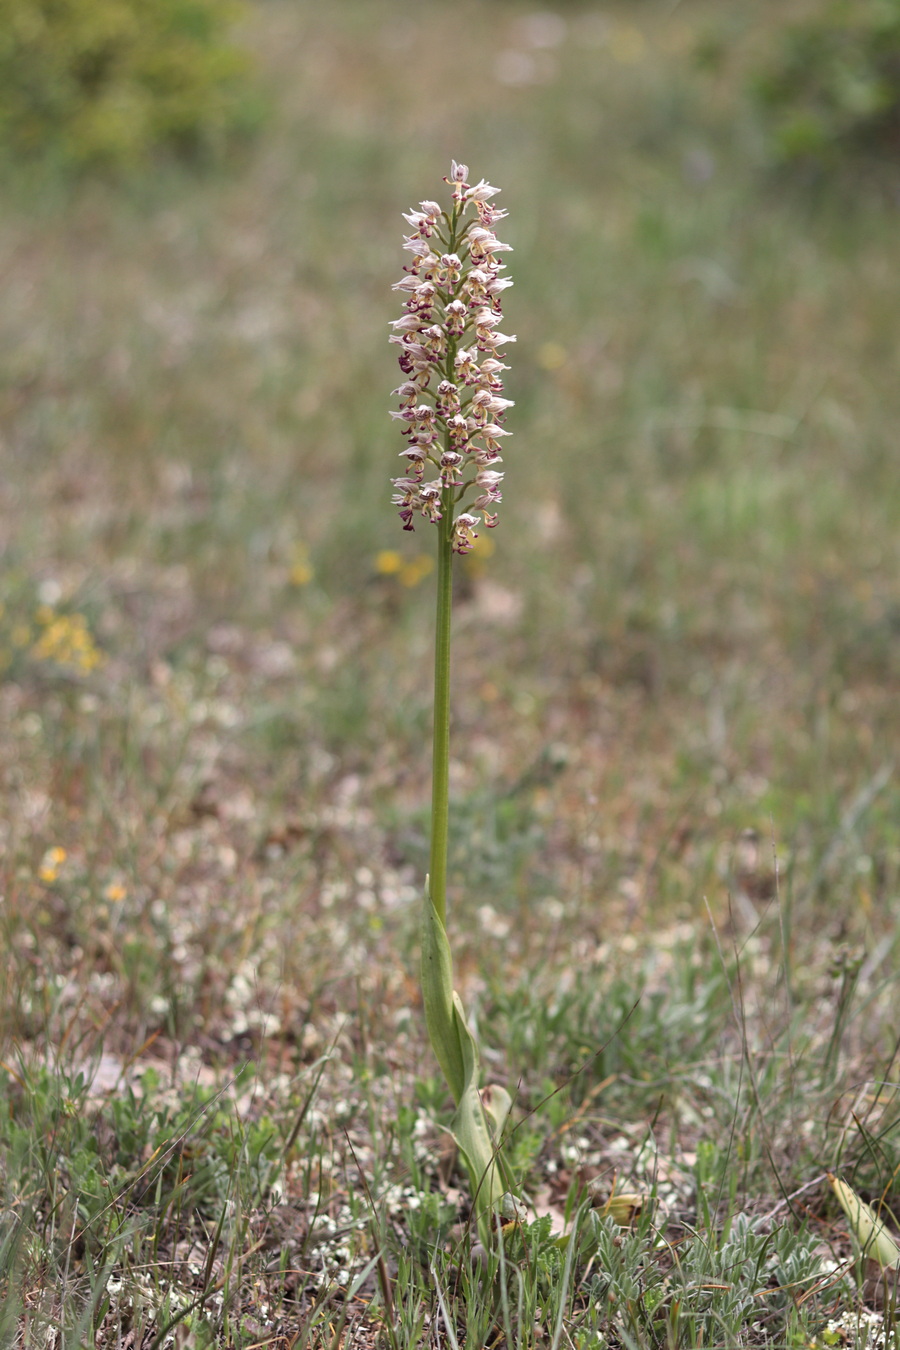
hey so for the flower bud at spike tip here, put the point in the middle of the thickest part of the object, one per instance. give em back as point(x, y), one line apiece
point(451, 406)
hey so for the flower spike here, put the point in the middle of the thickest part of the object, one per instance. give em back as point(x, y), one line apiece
point(451, 407)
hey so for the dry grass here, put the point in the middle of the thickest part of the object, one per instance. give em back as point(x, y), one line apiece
point(687, 632)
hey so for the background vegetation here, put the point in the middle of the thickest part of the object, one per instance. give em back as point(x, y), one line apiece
point(675, 882)
point(834, 88)
point(106, 83)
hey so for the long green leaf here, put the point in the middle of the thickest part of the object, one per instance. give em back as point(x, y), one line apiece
point(475, 1130)
point(471, 1132)
point(437, 994)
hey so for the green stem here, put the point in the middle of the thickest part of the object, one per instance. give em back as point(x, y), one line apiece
point(440, 763)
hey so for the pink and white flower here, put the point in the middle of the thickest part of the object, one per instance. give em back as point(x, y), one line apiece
point(451, 405)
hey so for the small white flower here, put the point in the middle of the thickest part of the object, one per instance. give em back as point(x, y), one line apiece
point(483, 243)
point(481, 192)
point(464, 535)
point(408, 324)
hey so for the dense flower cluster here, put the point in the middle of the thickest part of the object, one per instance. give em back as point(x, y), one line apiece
point(451, 403)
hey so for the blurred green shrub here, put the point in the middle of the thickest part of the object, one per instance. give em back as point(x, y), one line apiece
point(833, 87)
point(110, 82)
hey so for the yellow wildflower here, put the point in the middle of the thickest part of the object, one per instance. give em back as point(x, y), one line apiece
point(388, 562)
point(51, 863)
point(416, 570)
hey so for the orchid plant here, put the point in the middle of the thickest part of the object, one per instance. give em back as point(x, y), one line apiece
point(451, 412)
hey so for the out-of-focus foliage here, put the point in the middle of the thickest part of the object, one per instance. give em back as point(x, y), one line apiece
point(110, 82)
point(833, 86)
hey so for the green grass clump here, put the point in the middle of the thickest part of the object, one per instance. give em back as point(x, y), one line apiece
point(131, 1202)
point(110, 82)
point(833, 86)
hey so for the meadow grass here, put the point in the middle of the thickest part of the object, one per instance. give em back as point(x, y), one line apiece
point(675, 852)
